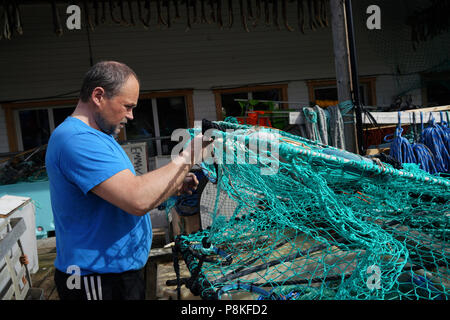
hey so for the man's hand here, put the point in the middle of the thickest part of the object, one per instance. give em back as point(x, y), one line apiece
point(189, 184)
point(197, 150)
point(24, 259)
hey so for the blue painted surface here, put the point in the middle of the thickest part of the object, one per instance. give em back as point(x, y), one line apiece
point(39, 192)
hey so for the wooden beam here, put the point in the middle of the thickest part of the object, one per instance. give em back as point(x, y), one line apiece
point(430, 109)
point(342, 66)
point(250, 88)
point(166, 94)
point(284, 97)
point(405, 117)
point(218, 100)
point(39, 104)
point(190, 110)
point(11, 130)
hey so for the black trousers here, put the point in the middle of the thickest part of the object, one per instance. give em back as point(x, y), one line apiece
point(128, 285)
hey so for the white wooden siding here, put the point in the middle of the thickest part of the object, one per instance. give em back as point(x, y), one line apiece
point(47, 65)
point(298, 92)
point(39, 64)
point(204, 105)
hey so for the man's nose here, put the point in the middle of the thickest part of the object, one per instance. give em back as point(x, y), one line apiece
point(129, 115)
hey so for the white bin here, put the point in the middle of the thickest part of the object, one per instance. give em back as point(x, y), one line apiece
point(23, 207)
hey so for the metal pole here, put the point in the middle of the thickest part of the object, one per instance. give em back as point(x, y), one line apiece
point(354, 76)
point(342, 66)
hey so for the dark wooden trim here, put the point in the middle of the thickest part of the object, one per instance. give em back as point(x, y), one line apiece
point(369, 81)
point(164, 94)
point(186, 93)
point(39, 104)
point(190, 110)
point(11, 130)
point(284, 97)
point(9, 109)
point(218, 99)
point(250, 88)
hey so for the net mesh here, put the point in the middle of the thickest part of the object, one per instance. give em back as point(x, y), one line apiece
point(300, 220)
point(404, 60)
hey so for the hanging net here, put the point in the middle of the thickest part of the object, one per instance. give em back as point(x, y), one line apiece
point(412, 47)
point(284, 217)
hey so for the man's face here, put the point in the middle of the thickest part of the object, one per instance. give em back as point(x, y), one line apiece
point(114, 112)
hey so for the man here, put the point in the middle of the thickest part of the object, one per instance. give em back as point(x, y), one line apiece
point(103, 231)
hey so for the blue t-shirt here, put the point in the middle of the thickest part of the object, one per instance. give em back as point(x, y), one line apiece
point(91, 233)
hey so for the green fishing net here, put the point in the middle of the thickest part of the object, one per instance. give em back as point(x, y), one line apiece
point(284, 218)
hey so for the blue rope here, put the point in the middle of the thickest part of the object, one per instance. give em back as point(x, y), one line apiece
point(426, 284)
point(424, 157)
point(251, 288)
point(431, 152)
point(346, 108)
point(212, 250)
point(446, 131)
point(436, 138)
point(401, 150)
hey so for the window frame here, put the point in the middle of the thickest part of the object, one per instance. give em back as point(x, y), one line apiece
point(369, 82)
point(11, 112)
point(218, 95)
point(188, 99)
point(11, 117)
point(186, 93)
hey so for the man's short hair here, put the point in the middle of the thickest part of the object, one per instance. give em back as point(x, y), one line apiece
point(110, 75)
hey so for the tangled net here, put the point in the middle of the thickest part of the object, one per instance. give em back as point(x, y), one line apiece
point(301, 220)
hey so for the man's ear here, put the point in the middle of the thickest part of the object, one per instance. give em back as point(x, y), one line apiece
point(98, 95)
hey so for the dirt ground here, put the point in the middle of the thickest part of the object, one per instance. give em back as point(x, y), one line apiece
point(43, 278)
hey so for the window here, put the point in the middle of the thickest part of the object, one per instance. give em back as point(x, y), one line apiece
point(60, 114)
point(436, 89)
point(226, 104)
point(35, 125)
point(230, 106)
point(29, 125)
point(156, 116)
point(33, 129)
point(324, 92)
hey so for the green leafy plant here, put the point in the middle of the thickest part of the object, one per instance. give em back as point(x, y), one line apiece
point(250, 104)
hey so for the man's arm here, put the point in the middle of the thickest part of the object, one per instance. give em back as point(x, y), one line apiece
point(139, 194)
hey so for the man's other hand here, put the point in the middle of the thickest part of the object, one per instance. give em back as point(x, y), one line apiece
point(189, 184)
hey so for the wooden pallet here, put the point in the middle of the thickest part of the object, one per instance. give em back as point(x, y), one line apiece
point(15, 279)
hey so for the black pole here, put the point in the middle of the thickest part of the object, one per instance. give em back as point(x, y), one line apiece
point(354, 75)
